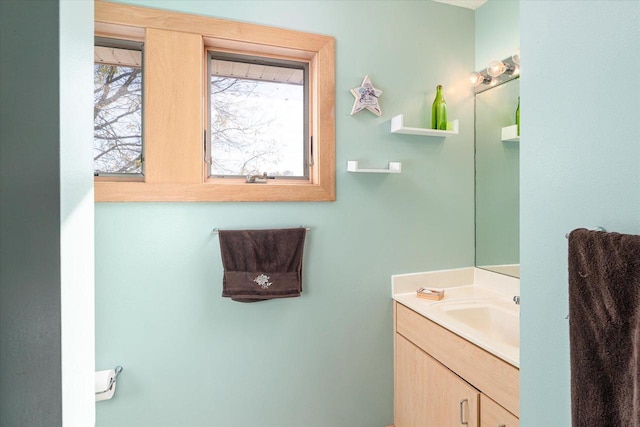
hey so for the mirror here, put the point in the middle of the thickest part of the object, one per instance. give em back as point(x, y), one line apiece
point(497, 181)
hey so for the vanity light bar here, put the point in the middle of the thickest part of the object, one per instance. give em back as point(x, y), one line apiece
point(510, 70)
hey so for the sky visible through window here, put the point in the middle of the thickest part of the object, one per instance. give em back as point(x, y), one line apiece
point(256, 126)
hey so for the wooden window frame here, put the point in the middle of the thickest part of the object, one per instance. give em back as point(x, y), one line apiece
point(175, 110)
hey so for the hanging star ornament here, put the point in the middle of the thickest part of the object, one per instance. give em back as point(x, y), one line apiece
point(366, 97)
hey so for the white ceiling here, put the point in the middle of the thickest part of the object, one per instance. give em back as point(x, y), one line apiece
point(469, 4)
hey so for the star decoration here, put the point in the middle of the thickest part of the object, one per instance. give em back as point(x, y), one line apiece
point(366, 97)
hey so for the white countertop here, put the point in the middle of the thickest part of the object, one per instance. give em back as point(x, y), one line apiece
point(468, 288)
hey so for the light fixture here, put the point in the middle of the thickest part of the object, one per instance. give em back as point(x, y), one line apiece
point(497, 68)
point(516, 57)
point(477, 79)
point(497, 73)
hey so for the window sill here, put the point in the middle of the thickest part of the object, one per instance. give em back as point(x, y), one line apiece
point(118, 178)
point(213, 191)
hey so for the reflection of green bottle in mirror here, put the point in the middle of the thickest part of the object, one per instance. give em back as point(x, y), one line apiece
point(439, 111)
point(518, 116)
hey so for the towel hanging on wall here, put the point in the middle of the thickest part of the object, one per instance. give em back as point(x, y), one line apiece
point(262, 264)
point(604, 328)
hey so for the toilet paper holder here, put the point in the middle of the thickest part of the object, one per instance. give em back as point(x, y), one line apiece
point(113, 380)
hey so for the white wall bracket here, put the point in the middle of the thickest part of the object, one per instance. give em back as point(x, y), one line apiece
point(394, 167)
point(397, 126)
point(510, 134)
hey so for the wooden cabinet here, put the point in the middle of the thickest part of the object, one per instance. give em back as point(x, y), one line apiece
point(440, 379)
point(428, 394)
point(494, 415)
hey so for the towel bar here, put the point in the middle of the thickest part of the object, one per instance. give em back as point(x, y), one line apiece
point(598, 228)
point(215, 230)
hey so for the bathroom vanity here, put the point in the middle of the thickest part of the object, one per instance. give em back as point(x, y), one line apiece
point(456, 360)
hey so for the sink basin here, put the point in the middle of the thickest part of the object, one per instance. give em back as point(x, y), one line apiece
point(496, 319)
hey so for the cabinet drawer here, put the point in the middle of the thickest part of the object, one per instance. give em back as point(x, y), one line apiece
point(494, 415)
point(486, 372)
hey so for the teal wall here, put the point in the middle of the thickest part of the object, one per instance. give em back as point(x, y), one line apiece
point(580, 167)
point(497, 31)
point(194, 359)
point(30, 348)
point(46, 214)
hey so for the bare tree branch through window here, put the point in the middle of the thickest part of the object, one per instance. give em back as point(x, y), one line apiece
point(257, 119)
point(117, 119)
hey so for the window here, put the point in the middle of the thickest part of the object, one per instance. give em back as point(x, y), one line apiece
point(117, 112)
point(193, 150)
point(258, 117)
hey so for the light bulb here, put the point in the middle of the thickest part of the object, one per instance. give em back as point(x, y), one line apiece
point(496, 68)
point(476, 79)
point(516, 56)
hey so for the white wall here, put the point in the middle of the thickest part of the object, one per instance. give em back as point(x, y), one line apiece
point(580, 167)
point(76, 213)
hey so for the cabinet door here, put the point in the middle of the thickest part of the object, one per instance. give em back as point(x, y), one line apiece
point(494, 415)
point(428, 394)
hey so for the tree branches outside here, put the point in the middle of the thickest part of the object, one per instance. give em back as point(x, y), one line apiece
point(256, 126)
point(117, 119)
point(252, 125)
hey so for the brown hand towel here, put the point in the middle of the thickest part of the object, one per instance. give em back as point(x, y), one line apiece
point(604, 328)
point(262, 264)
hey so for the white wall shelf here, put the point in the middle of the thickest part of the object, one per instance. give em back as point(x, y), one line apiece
point(510, 134)
point(397, 126)
point(394, 167)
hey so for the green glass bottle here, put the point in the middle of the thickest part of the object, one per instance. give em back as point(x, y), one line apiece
point(439, 111)
point(518, 116)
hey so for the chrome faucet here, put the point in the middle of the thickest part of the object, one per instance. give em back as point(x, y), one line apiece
point(516, 299)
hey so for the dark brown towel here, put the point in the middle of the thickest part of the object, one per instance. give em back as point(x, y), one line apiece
point(604, 328)
point(262, 264)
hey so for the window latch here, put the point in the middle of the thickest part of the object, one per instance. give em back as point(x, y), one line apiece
point(258, 179)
